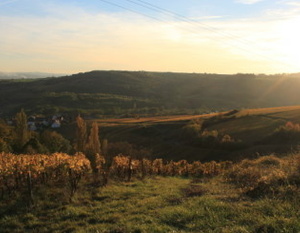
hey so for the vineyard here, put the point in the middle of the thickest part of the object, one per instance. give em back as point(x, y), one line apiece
point(66, 193)
point(23, 173)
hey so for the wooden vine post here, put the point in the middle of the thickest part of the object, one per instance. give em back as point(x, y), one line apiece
point(129, 169)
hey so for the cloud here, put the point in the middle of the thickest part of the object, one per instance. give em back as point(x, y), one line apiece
point(72, 40)
point(293, 3)
point(285, 10)
point(249, 2)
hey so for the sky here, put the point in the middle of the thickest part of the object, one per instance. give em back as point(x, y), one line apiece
point(201, 36)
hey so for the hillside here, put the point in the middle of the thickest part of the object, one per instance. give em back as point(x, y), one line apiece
point(116, 93)
point(167, 136)
point(179, 137)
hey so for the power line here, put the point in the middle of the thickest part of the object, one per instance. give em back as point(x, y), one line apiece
point(177, 16)
point(143, 14)
point(183, 18)
point(128, 9)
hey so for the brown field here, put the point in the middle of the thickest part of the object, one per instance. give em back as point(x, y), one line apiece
point(156, 119)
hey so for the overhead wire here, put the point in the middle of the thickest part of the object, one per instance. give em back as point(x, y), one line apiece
point(183, 18)
point(128, 9)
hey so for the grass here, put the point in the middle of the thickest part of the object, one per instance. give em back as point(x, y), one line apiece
point(157, 204)
point(252, 125)
point(249, 128)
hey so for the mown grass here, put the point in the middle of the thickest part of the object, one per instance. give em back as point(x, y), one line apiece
point(157, 204)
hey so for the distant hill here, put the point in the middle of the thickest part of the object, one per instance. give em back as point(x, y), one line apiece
point(123, 93)
point(27, 75)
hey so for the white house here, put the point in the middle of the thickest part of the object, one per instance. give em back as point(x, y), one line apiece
point(56, 124)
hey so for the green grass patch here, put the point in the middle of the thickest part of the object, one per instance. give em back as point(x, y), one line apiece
point(159, 204)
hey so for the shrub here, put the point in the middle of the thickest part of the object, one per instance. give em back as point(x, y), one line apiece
point(294, 168)
point(263, 176)
point(288, 133)
point(4, 146)
point(267, 161)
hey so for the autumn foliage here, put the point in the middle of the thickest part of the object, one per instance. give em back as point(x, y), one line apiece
point(263, 176)
point(267, 175)
point(59, 168)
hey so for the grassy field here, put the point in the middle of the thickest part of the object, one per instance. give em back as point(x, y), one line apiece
point(158, 204)
point(254, 124)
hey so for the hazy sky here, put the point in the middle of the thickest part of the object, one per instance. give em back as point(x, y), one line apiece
point(213, 36)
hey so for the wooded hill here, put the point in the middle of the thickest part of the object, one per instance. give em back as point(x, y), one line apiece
point(122, 93)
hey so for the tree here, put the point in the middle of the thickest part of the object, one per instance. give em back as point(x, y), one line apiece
point(81, 135)
point(93, 148)
point(21, 129)
point(104, 147)
point(6, 137)
point(55, 142)
point(33, 146)
point(94, 142)
point(5, 131)
point(97, 161)
point(4, 146)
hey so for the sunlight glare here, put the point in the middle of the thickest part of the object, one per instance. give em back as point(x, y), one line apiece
point(289, 44)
